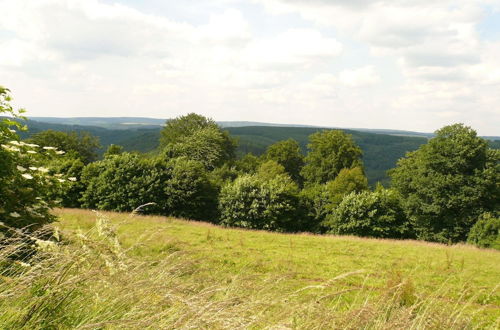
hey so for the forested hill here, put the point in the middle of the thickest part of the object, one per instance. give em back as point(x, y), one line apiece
point(380, 151)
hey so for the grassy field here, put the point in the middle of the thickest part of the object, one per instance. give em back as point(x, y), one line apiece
point(123, 271)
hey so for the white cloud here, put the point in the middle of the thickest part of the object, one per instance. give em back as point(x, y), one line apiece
point(364, 76)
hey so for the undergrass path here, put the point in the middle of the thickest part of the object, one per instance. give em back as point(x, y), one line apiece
point(344, 274)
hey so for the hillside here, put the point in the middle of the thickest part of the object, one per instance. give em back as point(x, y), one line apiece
point(381, 152)
point(165, 273)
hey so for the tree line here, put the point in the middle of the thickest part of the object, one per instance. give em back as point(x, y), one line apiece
point(446, 191)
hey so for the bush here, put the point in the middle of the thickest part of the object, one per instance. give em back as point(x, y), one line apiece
point(486, 232)
point(370, 214)
point(254, 202)
point(179, 187)
point(24, 183)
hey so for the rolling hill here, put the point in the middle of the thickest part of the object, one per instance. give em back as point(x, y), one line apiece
point(380, 151)
point(128, 271)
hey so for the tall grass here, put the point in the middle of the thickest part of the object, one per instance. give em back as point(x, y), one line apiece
point(88, 280)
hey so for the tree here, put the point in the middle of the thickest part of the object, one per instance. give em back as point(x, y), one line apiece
point(113, 149)
point(448, 183)
point(178, 187)
point(329, 152)
point(288, 154)
point(346, 182)
point(206, 145)
point(80, 145)
point(370, 214)
point(486, 232)
point(182, 130)
point(260, 203)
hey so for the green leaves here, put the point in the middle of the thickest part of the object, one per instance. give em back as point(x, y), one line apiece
point(448, 183)
point(330, 152)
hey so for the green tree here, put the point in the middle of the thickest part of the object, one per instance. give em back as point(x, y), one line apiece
point(113, 149)
point(260, 203)
point(329, 152)
point(81, 145)
point(206, 145)
point(288, 154)
point(370, 214)
point(347, 181)
point(448, 183)
point(178, 187)
point(486, 232)
point(184, 130)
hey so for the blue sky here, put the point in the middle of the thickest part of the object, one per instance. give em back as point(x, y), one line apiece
point(413, 65)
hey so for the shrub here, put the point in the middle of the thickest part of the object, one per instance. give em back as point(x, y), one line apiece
point(486, 232)
point(254, 202)
point(179, 187)
point(24, 182)
point(370, 214)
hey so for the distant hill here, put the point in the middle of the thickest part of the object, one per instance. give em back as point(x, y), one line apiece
point(380, 151)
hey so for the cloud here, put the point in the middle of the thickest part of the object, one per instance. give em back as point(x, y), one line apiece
point(364, 76)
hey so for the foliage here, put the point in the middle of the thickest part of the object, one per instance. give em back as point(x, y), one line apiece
point(178, 187)
point(207, 145)
point(113, 149)
point(486, 232)
point(329, 152)
point(72, 169)
point(270, 169)
point(198, 137)
point(370, 214)
point(448, 183)
point(346, 182)
point(288, 154)
point(255, 202)
point(188, 191)
point(24, 182)
point(80, 145)
point(248, 164)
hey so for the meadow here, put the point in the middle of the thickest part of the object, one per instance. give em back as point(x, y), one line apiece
point(117, 270)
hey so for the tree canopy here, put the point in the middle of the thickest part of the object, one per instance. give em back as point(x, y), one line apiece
point(287, 153)
point(329, 152)
point(448, 183)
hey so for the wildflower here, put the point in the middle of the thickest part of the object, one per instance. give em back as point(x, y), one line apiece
point(27, 176)
point(14, 214)
point(49, 148)
point(32, 145)
point(14, 142)
point(31, 152)
point(73, 179)
point(60, 152)
point(33, 168)
point(20, 168)
point(61, 180)
point(43, 169)
point(12, 130)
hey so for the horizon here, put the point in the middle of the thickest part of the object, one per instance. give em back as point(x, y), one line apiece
point(367, 64)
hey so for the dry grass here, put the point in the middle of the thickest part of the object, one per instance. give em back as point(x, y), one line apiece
point(158, 273)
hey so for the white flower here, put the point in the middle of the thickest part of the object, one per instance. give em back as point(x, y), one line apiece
point(27, 176)
point(20, 168)
point(14, 142)
point(61, 180)
point(32, 145)
point(60, 152)
point(14, 214)
point(43, 169)
point(12, 130)
point(72, 179)
point(58, 175)
point(31, 152)
point(33, 168)
point(49, 148)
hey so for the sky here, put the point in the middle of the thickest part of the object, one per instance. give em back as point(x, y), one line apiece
point(400, 64)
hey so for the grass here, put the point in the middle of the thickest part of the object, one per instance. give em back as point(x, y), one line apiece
point(122, 271)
